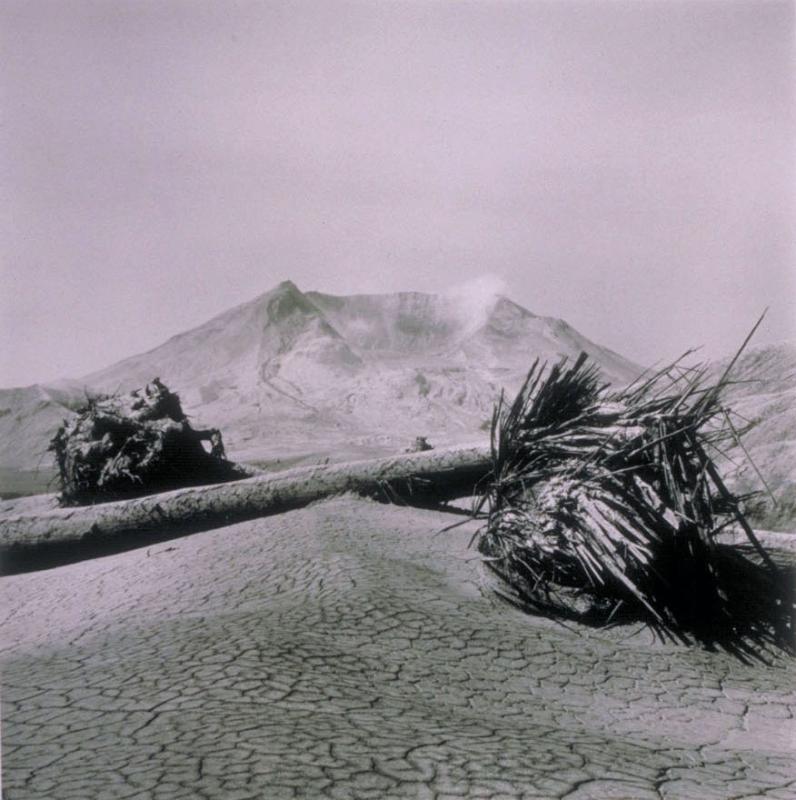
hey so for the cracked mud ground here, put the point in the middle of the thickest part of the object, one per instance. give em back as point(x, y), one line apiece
point(346, 651)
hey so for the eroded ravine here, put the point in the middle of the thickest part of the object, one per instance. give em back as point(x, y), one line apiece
point(347, 651)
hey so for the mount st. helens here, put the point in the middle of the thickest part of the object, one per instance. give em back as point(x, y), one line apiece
point(292, 372)
point(292, 375)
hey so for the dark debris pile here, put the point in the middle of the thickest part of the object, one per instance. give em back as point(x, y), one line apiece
point(134, 444)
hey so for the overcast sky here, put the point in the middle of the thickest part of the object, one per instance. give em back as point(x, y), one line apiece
point(626, 166)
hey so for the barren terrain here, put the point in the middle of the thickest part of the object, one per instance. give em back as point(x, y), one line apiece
point(351, 650)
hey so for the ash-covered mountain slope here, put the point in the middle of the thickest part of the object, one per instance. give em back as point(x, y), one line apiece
point(496, 334)
point(763, 395)
point(291, 370)
point(275, 335)
point(29, 416)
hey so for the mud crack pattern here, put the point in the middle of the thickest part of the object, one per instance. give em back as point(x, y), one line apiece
point(349, 651)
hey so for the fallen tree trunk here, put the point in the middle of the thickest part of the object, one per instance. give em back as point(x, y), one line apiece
point(432, 476)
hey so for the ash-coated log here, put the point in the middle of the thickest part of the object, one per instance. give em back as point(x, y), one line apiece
point(432, 476)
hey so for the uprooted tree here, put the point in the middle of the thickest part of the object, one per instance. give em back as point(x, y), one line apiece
point(601, 504)
point(138, 443)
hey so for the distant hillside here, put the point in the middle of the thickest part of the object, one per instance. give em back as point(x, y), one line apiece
point(28, 418)
point(765, 394)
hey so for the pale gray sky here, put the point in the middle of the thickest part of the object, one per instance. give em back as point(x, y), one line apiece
point(626, 166)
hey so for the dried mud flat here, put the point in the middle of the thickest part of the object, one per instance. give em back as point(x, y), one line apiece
point(348, 650)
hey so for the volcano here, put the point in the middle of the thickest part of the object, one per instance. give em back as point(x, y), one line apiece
point(291, 372)
point(292, 376)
